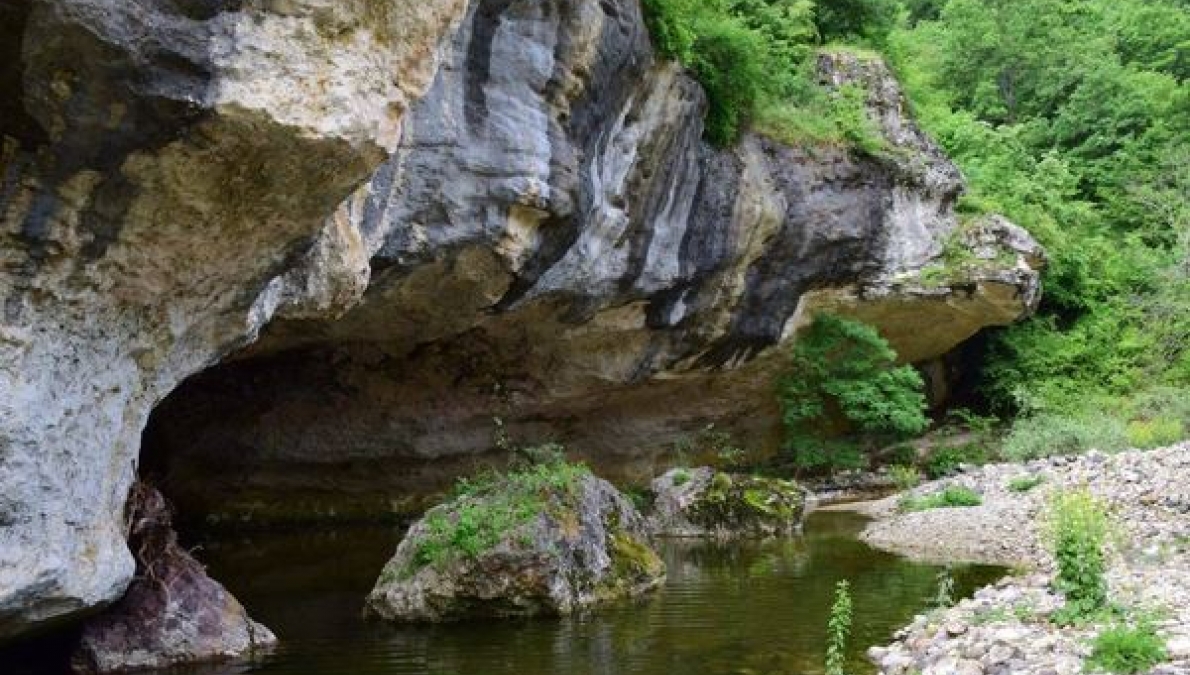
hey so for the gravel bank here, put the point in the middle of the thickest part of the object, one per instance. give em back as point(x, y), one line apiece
point(1004, 629)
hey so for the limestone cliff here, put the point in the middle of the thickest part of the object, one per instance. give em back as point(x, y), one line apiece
point(161, 163)
point(534, 230)
point(554, 245)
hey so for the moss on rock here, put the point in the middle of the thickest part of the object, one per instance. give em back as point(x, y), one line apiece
point(715, 503)
point(549, 540)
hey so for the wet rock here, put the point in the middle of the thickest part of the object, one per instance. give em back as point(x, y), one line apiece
point(703, 502)
point(512, 550)
point(172, 613)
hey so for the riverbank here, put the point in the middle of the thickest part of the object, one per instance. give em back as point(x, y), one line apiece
point(1005, 629)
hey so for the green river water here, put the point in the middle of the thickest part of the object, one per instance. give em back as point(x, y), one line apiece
point(726, 609)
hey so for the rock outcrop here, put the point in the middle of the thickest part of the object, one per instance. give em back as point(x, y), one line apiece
point(543, 237)
point(164, 167)
point(553, 244)
point(172, 613)
point(509, 551)
point(703, 502)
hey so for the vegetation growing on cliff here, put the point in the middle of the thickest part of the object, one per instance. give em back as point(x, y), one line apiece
point(1072, 117)
point(754, 60)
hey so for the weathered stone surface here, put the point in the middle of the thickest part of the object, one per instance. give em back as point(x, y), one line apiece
point(923, 312)
point(550, 242)
point(703, 502)
point(162, 164)
point(553, 244)
point(584, 547)
point(172, 613)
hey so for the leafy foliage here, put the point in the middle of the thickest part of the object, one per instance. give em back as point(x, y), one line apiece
point(843, 368)
point(1071, 117)
point(487, 507)
point(905, 477)
point(945, 461)
point(838, 629)
point(1025, 483)
point(950, 497)
point(1127, 649)
point(1078, 532)
point(753, 58)
point(944, 592)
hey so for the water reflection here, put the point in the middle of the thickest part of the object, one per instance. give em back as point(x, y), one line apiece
point(741, 608)
point(751, 608)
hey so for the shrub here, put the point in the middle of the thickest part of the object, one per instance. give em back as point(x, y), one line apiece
point(902, 454)
point(1078, 530)
point(752, 59)
point(945, 461)
point(905, 477)
point(838, 628)
point(681, 477)
point(724, 61)
point(1057, 434)
point(843, 368)
point(1154, 433)
point(952, 496)
point(1025, 483)
point(1126, 649)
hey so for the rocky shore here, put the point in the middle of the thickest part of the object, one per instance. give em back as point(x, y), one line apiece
point(1005, 629)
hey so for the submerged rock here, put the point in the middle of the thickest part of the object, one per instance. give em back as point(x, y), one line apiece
point(704, 502)
point(173, 613)
point(543, 542)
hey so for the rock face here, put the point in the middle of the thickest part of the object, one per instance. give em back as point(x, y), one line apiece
point(163, 165)
point(554, 245)
point(173, 613)
point(542, 237)
point(703, 502)
point(585, 545)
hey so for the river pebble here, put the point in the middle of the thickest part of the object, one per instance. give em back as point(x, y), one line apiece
point(1004, 629)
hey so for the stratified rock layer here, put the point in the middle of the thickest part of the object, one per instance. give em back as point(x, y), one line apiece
point(554, 245)
point(542, 237)
point(162, 166)
point(585, 546)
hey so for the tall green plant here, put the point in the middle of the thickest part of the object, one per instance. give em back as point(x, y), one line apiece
point(841, 368)
point(1078, 531)
point(838, 629)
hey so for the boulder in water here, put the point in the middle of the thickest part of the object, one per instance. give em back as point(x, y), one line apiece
point(703, 502)
point(548, 540)
point(172, 613)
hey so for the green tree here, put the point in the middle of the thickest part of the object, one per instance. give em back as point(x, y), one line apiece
point(841, 369)
point(866, 21)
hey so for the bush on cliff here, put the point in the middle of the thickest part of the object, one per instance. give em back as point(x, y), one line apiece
point(753, 59)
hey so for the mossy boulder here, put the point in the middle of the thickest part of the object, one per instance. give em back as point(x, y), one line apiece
point(546, 541)
point(704, 502)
